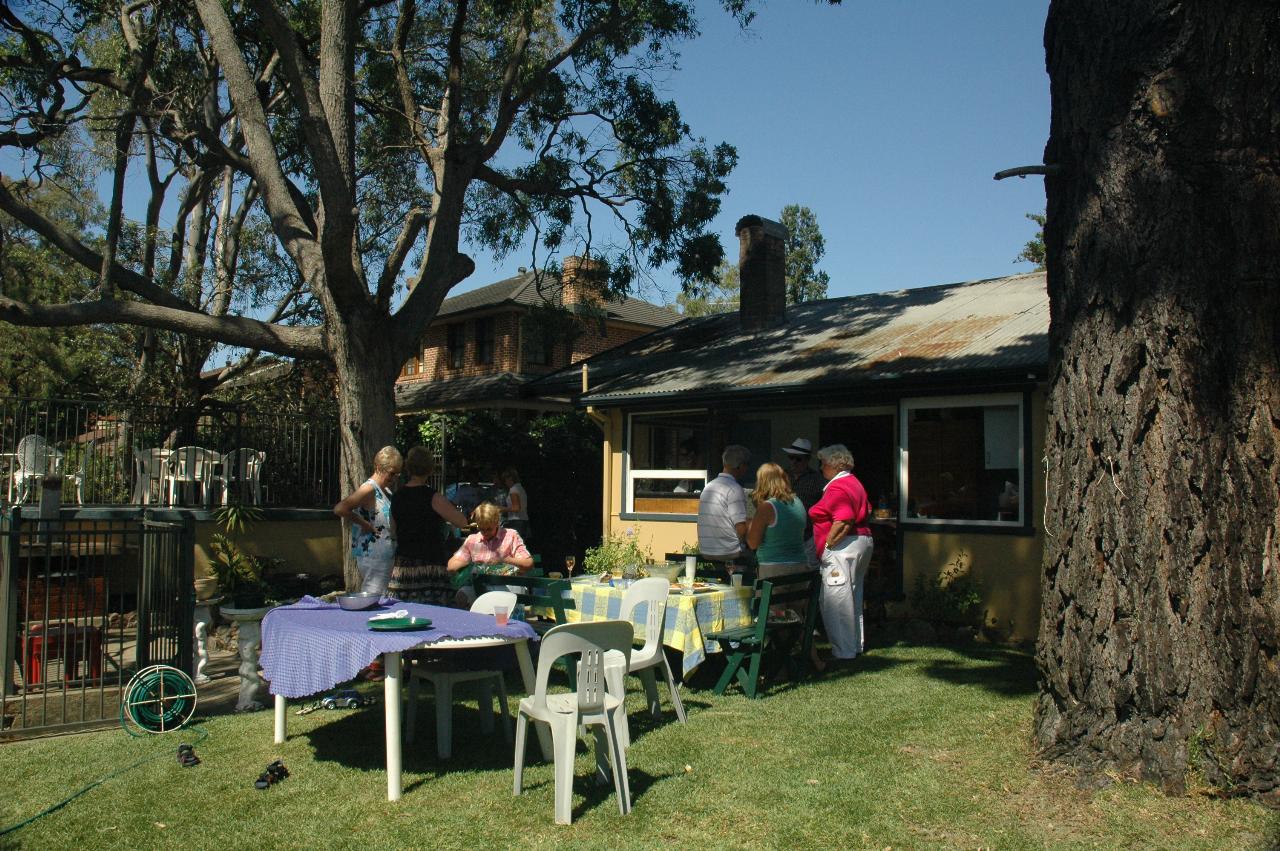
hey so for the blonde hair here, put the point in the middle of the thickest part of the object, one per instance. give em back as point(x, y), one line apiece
point(388, 460)
point(418, 462)
point(772, 483)
point(485, 514)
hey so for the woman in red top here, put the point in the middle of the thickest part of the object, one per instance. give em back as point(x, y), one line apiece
point(843, 543)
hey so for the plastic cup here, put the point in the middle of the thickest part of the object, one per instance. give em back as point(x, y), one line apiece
point(736, 580)
point(690, 569)
point(500, 614)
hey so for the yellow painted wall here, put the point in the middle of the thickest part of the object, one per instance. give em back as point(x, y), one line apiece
point(307, 546)
point(1007, 566)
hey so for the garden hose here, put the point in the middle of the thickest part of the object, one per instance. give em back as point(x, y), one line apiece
point(158, 699)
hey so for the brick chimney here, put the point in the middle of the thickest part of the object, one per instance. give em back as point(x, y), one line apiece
point(762, 271)
point(582, 279)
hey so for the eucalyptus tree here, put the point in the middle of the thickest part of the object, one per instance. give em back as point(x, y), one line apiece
point(1160, 633)
point(371, 136)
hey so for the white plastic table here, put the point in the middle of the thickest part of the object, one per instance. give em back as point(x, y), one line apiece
point(391, 700)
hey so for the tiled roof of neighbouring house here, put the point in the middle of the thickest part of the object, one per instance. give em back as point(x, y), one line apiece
point(998, 326)
point(523, 290)
point(426, 395)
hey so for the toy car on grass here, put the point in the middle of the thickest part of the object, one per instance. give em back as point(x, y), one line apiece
point(347, 698)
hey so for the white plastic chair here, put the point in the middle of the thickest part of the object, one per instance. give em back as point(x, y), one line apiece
point(652, 594)
point(442, 683)
point(189, 465)
point(34, 459)
point(148, 469)
point(243, 465)
point(592, 705)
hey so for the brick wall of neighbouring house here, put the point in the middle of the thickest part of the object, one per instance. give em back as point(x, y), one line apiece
point(432, 363)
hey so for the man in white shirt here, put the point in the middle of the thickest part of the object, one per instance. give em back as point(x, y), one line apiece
point(722, 508)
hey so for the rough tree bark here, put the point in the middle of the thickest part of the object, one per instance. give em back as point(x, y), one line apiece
point(1161, 606)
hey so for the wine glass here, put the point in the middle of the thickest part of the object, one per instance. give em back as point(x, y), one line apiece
point(569, 563)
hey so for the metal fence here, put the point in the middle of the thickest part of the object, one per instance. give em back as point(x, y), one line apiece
point(105, 454)
point(85, 604)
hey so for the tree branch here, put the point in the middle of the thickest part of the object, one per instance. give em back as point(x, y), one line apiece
point(292, 228)
point(79, 252)
point(413, 222)
point(232, 330)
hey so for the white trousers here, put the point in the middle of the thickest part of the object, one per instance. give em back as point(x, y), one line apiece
point(375, 573)
point(844, 574)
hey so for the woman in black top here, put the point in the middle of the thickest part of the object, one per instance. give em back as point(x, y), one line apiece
point(420, 513)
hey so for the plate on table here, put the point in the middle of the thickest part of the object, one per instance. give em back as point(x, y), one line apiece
point(399, 624)
point(697, 587)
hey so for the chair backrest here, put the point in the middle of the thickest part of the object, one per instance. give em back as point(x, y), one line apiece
point(530, 591)
point(485, 602)
point(190, 463)
point(652, 594)
point(244, 464)
point(589, 640)
point(33, 455)
point(788, 588)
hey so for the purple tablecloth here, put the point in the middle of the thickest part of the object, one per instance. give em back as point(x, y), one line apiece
point(311, 646)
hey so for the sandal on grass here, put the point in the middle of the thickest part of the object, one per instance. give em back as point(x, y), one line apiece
point(272, 774)
point(187, 756)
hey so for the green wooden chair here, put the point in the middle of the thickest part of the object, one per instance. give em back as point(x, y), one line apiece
point(539, 596)
point(745, 646)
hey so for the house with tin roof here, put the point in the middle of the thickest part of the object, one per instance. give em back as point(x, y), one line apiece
point(939, 392)
point(485, 345)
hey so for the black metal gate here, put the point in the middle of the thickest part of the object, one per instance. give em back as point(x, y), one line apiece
point(84, 604)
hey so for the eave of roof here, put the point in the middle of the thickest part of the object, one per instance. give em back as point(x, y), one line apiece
point(994, 330)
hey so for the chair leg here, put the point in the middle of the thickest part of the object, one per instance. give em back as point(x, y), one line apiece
point(615, 677)
point(522, 727)
point(444, 717)
point(484, 702)
point(650, 683)
point(502, 704)
point(675, 691)
point(730, 668)
point(411, 712)
point(564, 741)
point(750, 677)
point(618, 756)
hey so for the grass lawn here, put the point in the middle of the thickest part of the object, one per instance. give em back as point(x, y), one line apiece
point(911, 747)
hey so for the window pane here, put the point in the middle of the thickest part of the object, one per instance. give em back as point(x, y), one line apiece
point(484, 340)
point(963, 463)
point(668, 462)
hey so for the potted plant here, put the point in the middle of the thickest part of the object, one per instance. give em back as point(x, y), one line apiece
point(239, 574)
point(615, 553)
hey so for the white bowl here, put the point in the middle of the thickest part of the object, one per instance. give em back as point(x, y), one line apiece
point(359, 600)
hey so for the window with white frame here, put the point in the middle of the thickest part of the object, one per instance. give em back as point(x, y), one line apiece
point(962, 460)
point(666, 462)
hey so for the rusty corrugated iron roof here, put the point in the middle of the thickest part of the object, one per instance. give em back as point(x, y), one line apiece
point(994, 325)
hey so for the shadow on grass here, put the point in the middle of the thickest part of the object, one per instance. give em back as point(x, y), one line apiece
point(595, 791)
point(999, 670)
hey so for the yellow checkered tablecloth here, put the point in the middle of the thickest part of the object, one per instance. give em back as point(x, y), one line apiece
point(689, 616)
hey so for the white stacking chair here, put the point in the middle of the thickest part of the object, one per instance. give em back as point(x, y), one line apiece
point(35, 459)
point(148, 470)
point(442, 683)
point(189, 465)
point(645, 662)
point(243, 466)
point(592, 705)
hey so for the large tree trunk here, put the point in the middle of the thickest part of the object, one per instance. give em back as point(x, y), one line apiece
point(1161, 606)
point(366, 370)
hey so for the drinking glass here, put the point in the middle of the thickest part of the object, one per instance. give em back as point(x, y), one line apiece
point(569, 562)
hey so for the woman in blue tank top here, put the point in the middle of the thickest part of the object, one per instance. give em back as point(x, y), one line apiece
point(776, 531)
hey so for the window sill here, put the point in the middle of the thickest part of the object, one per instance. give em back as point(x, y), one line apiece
point(960, 527)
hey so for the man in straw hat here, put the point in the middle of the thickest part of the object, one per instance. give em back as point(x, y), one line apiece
point(807, 484)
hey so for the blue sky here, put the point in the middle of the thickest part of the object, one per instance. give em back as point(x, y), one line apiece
point(886, 119)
